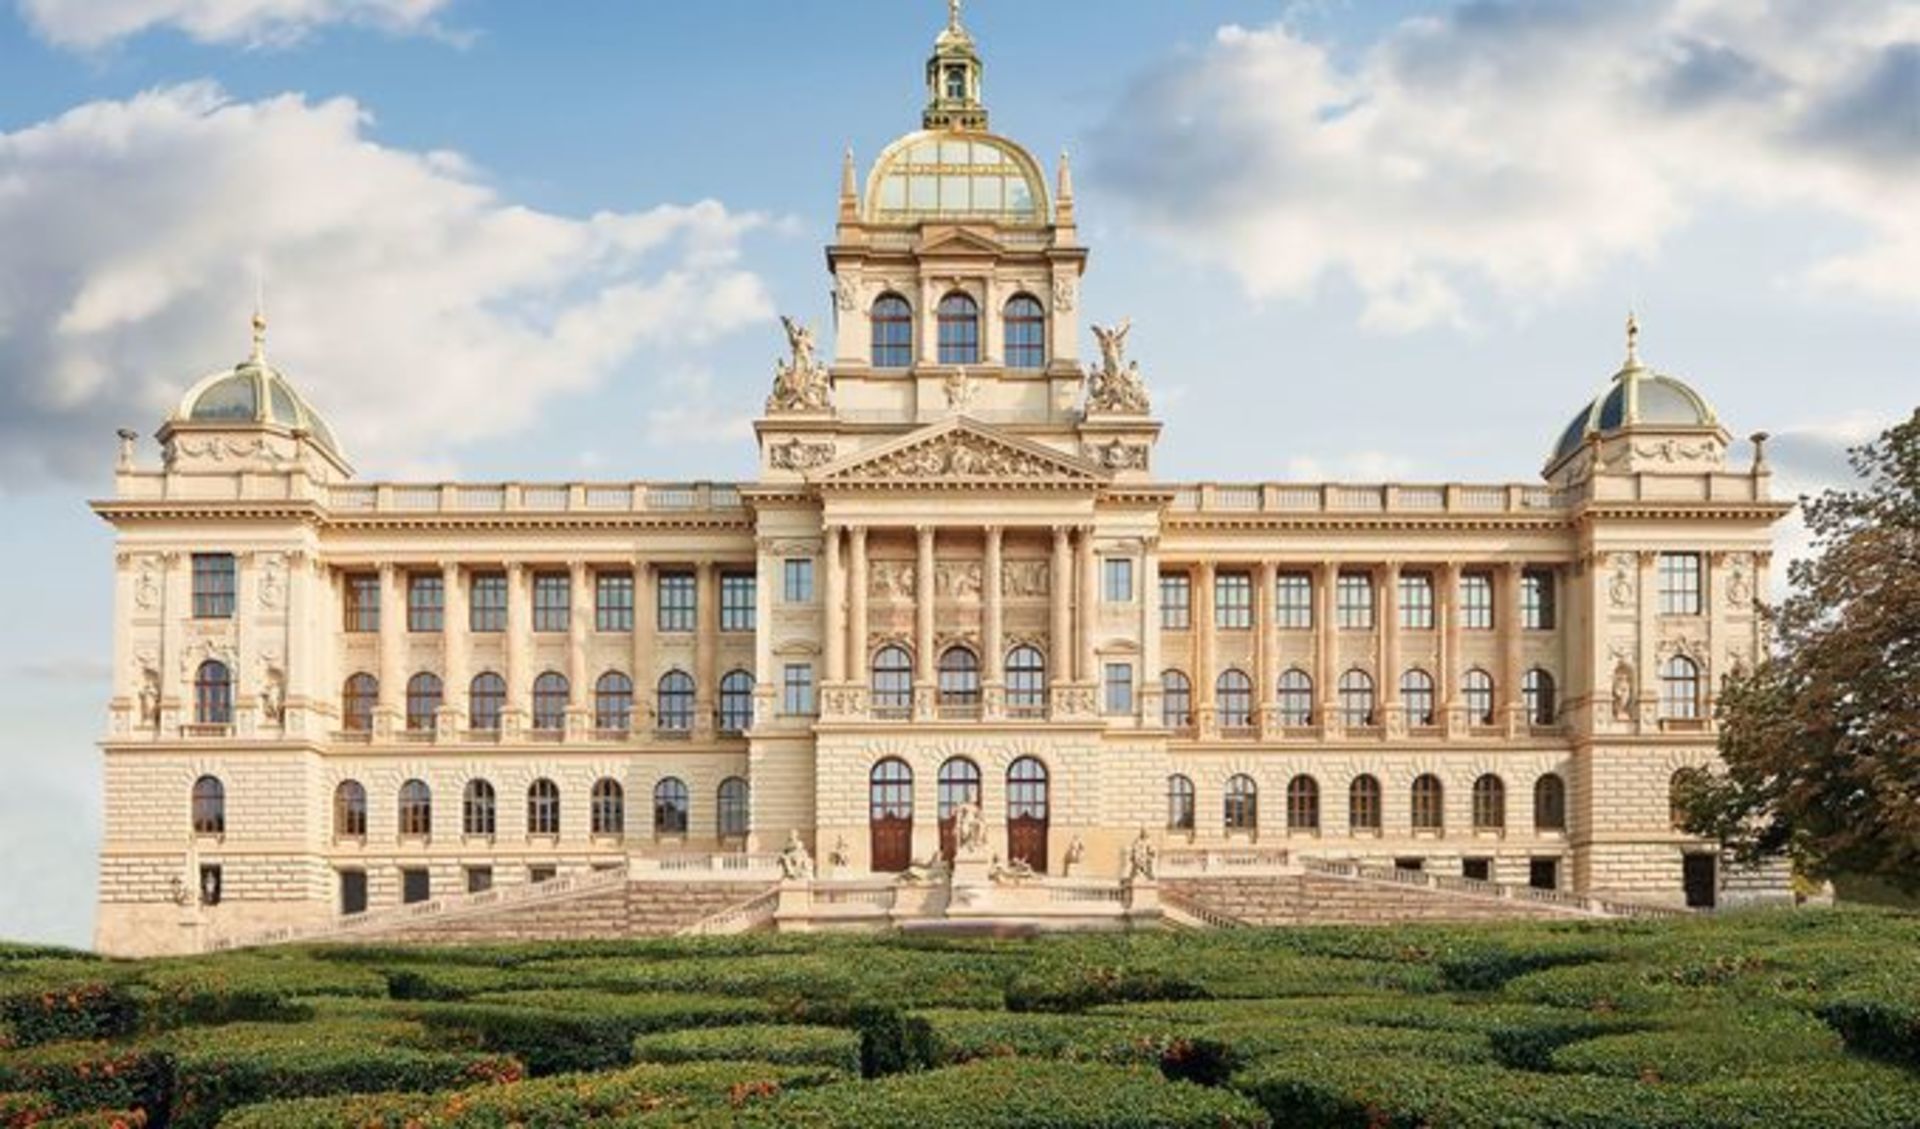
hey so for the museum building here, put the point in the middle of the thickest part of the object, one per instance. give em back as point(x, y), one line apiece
point(958, 583)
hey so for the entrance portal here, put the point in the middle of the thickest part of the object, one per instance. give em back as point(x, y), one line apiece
point(890, 816)
point(1027, 813)
point(1699, 875)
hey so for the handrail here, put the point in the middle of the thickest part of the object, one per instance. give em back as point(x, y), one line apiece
point(739, 918)
point(1474, 887)
point(1199, 915)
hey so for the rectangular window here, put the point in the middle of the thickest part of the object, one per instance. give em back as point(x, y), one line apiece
point(1116, 580)
point(797, 580)
point(426, 601)
point(213, 582)
point(1176, 602)
point(488, 610)
point(737, 599)
point(1293, 602)
point(479, 879)
point(1119, 688)
point(613, 601)
point(210, 882)
point(1233, 601)
point(1536, 600)
point(353, 891)
point(796, 690)
point(552, 595)
point(1416, 601)
point(1480, 870)
point(1353, 601)
point(541, 873)
point(677, 601)
point(363, 601)
point(1679, 583)
point(415, 885)
point(1543, 874)
point(1476, 601)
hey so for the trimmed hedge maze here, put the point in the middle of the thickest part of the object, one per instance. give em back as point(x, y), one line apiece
point(1777, 1019)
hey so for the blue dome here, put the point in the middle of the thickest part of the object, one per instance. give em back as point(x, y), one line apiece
point(1638, 396)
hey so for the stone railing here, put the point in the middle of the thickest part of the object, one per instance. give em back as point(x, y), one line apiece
point(1178, 862)
point(1452, 498)
point(699, 867)
point(516, 497)
point(1184, 911)
point(743, 918)
point(1576, 903)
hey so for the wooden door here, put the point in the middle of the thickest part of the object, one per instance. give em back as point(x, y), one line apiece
point(890, 816)
point(892, 845)
point(1700, 876)
point(1027, 813)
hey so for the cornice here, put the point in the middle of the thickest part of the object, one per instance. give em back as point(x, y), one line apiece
point(174, 509)
point(1683, 510)
point(1172, 522)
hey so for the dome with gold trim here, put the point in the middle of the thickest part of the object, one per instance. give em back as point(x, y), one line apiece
point(1637, 397)
point(253, 392)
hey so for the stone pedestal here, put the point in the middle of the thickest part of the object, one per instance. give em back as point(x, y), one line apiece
point(794, 910)
point(971, 884)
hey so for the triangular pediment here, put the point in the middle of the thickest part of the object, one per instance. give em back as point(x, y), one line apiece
point(961, 451)
point(960, 241)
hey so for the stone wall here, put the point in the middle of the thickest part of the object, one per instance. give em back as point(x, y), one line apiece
point(1314, 899)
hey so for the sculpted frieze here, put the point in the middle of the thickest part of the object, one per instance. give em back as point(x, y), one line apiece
point(893, 580)
point(1025, 579)
point(957, 580)
point(1620, 586)
point(960, 455)
point(798, 454)
point(1117, 455)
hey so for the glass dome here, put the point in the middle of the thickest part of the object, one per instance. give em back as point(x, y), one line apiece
point(253, 392)
point(956, 175)
point(1638, 396)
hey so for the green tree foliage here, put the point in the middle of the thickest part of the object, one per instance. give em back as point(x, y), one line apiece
point(1821, 743)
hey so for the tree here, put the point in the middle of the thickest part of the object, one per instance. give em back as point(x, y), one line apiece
point(1821, 742)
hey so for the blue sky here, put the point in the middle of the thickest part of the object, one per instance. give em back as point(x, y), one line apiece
point(1358, 240)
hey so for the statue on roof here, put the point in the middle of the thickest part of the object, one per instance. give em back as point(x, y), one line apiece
point(1116, 386)
point(800, 383)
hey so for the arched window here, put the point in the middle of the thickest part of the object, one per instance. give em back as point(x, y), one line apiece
point(959, 680)
point(1028, 812)
point(1356, 698)
point(609, 807)
point(424, 694)
point(1026, 332)
point(1363, 804)
point(1680, 785)
point(1242, 804)
point(416, 808)
point(1233, 699)
point(1176, 702)
point(1179, 803)
point(1296, 698)
point(1416, 696)
point(1429, 803)
point(550, 701)
point(213, 694)
point(892, 332)
point(1536, 689)
point(357, 700)
point(890, 815)
point(1026, 681)
point(543, 807)
point(670, 807)
point(1303, 804)
point(349, 810)
point(736, 702)
point(892, 681)
point(1489, 803)
point(486, 697)
point(676, 701)
point(1550, 803)
point(613, 702)
point(477, 809)
point(731, 809)
point(1680, 688)
point(959, 318)
point(209, 806)
point(1476, 686)
point(959, 783)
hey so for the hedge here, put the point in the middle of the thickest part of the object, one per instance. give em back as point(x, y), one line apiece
point(1708, 1046)
point(20, 1108)
point(658, 1092)
point(1078, 988)
point(787, 1045)
point(36, 1012)
point(557, 1031)
point(79, 1077)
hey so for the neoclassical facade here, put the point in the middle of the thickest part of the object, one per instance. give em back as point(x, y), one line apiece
point(958, 578)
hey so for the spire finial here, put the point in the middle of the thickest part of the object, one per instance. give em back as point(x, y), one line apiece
point(1633, 340)
point(259, 317)
point(953, 15)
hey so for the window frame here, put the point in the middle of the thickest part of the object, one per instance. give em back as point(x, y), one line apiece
point(957, 329)
point(479, 808)
point(733, 714)
point(613, 702)
point(349, 810)
point(1682, 580)
point(216, 580)
point(739, 601)
point(796, 580)
point(543, 808)
point(1538, 599)
point(1417, 697)
point(1365, 805)
point(551, 696)
point(1353, 601)
point(1293, 601)
point(552, 602)
point(1416, 601)
point(1233, 705)
point(1303, 803)
point(1489, 803)
point(733, 808)
point(607, 808)
point(426, 603)
point(674, 694)
point(614, 593)
point(1358, 697)
point(1427, 810)
point(1176, 699)
point(884, 320)
point(797, 696)
point(488, 596)
point(1023, 321)
point(1116, 580)
point(1117, 688)
point(1176, 601)
point(1476, 601)
point(677, 601)
point(414, 804)
point(207, 814)
point(488, 687)
point(1233, 600)
point(426, 693)
point(1240, 804)
point(360, 603)
point(1182, 809)
point(672, 807)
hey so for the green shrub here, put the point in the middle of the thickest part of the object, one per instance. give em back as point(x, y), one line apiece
point(21, 1108)
point(892, 1042)
point(788, 1045)
point(78, 1077)
point(1079, 988)
point(451, 981)
point(1884, 1028)
point(100, 1119)
point(37, 1011)
point(556, 1031)
point(1385, 1092)
point(662, 1093)
point(1486, 967)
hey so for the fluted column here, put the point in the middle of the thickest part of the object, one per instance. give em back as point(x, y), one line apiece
point(1265, 644)
point(645, 613)
point(1150, 684)
point(857, 657)
point(1060, 590)
point(1089, 618)
point(925, 662)
point(1326, 651)
point(836, 607)
point(519, 639)
point(1506, 622)
point(992, 627)
point(579, 623)
point(1449, 625)
point(1203, 655)
point(393, 643)
point(453, 645)
point(706, 640)
point(1389, 603)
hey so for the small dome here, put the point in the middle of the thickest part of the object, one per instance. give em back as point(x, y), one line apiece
point(253, 391)
point(952, 174)
point(1637, 397)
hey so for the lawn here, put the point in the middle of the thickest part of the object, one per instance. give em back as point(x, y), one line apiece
point(1777, 1019)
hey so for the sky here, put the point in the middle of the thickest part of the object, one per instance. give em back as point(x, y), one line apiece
point(1359, 241)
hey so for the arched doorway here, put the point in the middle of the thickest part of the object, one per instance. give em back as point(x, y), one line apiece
point(890, 815)
point(959, 784)
point(1027, 812)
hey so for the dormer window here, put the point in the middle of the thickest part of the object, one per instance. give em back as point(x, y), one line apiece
point(957, 83)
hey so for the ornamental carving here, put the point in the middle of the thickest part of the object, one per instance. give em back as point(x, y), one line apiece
point(800, 383)
point(891, 579)
point(958, 580)
point(961, 455)
point(146, 584)
point(147, 674)
point(273, 581)
point(1676, 450)
point(1622, 691)
point(273, 690)
point(798, 454)
point(1025, 579)
point(1740, 580)
point(959, 389)
point(1064, 292)
point(1116, 386)
point(845, 293)
point(1117, 455)
point(1620, 586)
point(219, 450)
point(204, 650)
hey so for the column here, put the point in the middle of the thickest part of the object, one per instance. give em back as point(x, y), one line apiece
point(1203, 656)
point(1647, 676)
point(1449, 625)
point(1266, 640)
point(1060, 589)
point(645, 611)
point(835, 599)
point(306, 631)
point(992, 641)
point(393, 643)
point(857, 658)
point(1389, 604)
point(1326, 657)
point(1089, 608)
point(1150, 685)
point(925, 662)
point(579, 623)
point(766, 690)
point(453, 646)
point(1506, 621)
point(706, 638)
point(519, 639)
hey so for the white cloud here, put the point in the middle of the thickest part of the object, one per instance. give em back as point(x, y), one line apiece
point(692, 412)
point(412, 304)
point(88, 24)
point(1526, 146)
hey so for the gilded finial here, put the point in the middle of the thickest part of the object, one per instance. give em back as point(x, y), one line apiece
point(259, 336)
point(1066, 176)
point(953, 15)
point(1633, 340)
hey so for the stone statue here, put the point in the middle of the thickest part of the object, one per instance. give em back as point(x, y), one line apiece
point(1622, 692)
point(959, 389)
point(1116, 386)
point(1019, 870)
point(1076, 851)
point(796, 865)
point(969, 828)
point(177, 891)
point(800, 384)
point(838, 857)
point(209, 886)
point(1142, 857)
point(273, 696)
point(149, 697)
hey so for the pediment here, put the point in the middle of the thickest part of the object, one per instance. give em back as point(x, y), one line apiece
point(960, 241)
point(959, 452)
